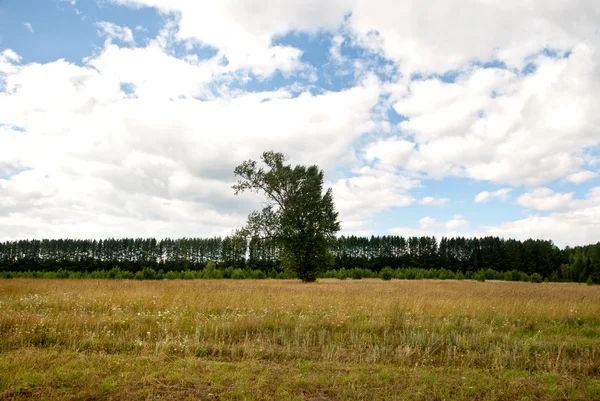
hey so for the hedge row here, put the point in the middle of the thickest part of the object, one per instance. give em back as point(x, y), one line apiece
point(210, 272)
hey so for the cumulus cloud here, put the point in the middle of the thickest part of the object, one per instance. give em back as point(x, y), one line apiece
point(498, 125)
point(372, 191)
point(433, 201)
point(429, 226)
point(545, 199)
point(485, 196)
point(29, 26)
point(581, 176)
point(133, 140)
point(101, 161)
point(113, 31)
point(244, 32)
point(574, 225)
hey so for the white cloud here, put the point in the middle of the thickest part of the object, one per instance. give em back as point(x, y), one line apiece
point(429, 226)
point(104, 163)
point(114, 162)
point(485, 196)
point(434, 201)
point(389, 151)
point(113, 31)
point(359, 198)
point(581, 176)
point(576, 225)
point(28, 26)
point(545, 199)
point(243, 32)
point(497, 125)
point(437, 36)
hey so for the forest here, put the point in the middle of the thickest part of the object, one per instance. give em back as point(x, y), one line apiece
point(463, 256)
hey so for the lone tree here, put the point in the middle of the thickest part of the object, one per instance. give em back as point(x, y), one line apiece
point(298, 215)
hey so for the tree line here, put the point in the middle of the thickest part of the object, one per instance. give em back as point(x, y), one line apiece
point(367, 254)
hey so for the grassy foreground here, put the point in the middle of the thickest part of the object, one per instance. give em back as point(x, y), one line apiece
point(267, 339)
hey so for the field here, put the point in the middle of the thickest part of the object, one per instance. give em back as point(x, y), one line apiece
point(282, 339)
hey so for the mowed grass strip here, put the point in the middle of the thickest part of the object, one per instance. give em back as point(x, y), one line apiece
point(333, 339)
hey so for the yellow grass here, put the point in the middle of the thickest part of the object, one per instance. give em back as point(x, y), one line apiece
point(266, 339)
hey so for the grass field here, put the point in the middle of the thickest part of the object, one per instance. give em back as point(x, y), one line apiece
point(279, 339)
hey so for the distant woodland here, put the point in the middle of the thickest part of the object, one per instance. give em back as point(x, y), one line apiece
point(355, 257)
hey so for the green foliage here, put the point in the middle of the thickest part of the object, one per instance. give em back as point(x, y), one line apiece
point(386, 273)
point(238, 274)
point(298, 216)
point(258, 274)
point(590, 281)
point(536, 278)
point(479, 276)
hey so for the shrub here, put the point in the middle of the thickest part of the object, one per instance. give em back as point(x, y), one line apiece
point(189, 275)
point(386, 273)
point(125, 275)
point(536, 278)
point(258, 274)
point(114, 272)
point(479, 276)
point(62, 274)
point(342, 274)
point(228, 272)
point(238, 274)
point(171, 275)
point(589, 281)
point(209, 270)
point(355, 274)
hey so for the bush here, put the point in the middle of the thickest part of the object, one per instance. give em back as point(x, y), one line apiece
point(258, 274)
point(209, 270)
point(125, 275)
point(479, 276)
point(355, 274)
point(536, 278)
point(238, 274)
point(342, 274)
point(228, 272)
point(386, 273)
point(171, 275)
point(590, 281)
point(62, 274)
point(189, 275)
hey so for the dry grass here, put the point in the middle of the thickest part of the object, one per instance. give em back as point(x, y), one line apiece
point(268, 339)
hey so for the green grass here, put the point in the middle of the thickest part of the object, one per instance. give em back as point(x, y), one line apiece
point(331, 340)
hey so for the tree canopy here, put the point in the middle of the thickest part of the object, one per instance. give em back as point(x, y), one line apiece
point(298, 215)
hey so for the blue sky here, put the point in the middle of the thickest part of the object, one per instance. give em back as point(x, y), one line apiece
point(126, 117)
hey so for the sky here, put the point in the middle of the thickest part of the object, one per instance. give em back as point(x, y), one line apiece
point(126, 118)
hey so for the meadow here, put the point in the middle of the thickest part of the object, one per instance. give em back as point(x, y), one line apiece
point(283, 339)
